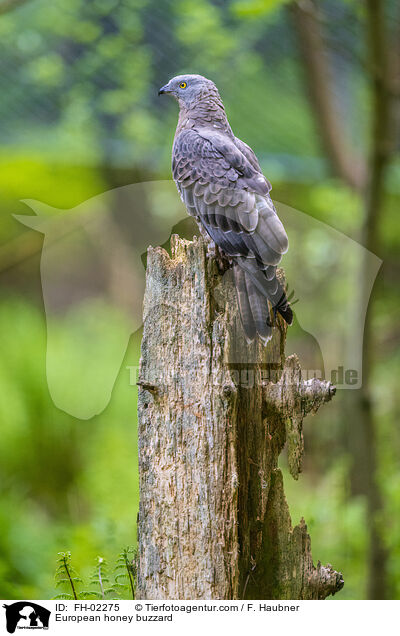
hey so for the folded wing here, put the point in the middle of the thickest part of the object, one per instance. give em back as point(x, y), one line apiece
point(222, 186)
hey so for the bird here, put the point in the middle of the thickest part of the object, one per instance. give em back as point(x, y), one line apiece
point(221, 183)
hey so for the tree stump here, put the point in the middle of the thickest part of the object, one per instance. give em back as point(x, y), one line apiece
point(214, 415)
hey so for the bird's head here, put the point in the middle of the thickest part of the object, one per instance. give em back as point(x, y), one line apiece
point(189, 89)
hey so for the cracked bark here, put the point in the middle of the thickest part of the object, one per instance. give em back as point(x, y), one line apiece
point(214, 415)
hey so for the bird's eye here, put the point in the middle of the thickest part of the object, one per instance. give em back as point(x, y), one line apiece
point(182, 85)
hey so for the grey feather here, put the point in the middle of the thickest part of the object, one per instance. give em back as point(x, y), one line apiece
point(246, 313)
point(222, 185)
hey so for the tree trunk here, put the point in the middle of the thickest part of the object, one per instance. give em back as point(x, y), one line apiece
point(214, 415)
point(382, 135)
point(369, 178)
point(345, 162)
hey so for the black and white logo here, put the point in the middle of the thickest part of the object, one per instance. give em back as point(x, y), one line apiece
point(26, 615)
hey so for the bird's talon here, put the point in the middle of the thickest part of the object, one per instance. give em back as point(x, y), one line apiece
point(222, 262)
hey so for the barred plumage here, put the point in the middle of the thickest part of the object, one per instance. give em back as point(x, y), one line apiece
point(220, 181)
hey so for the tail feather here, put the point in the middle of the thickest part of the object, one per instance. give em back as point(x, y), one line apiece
point(246, 314)
point(285, 310)
point(253, 290)
point(259, 310)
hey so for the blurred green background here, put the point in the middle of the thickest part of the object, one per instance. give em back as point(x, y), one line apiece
point(312, 88)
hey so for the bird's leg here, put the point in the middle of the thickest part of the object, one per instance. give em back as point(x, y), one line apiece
point(223, 261)
point(204, 233)
point(213, 251)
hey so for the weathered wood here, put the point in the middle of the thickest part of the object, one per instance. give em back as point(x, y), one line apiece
point(214, 414)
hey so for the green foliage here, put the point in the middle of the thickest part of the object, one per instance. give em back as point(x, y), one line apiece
point(100, 581)
point(66, 576)
point(85, 77)
point(335, 522)
point(59, 477)
point(126, 570)
point(256, 8)
point(123, 586)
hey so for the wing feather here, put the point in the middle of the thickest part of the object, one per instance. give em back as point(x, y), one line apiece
point(221, 183)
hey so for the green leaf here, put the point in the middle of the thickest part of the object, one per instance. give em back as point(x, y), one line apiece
point(256, 8)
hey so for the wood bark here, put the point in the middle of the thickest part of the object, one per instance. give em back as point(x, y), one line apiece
point(214, 415)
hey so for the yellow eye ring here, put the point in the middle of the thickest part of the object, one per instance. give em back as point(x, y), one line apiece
point(182, 85)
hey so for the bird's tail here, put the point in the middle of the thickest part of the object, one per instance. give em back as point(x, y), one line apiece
point(253, 289)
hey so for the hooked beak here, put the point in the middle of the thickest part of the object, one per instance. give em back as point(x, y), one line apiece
point(163, 90)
